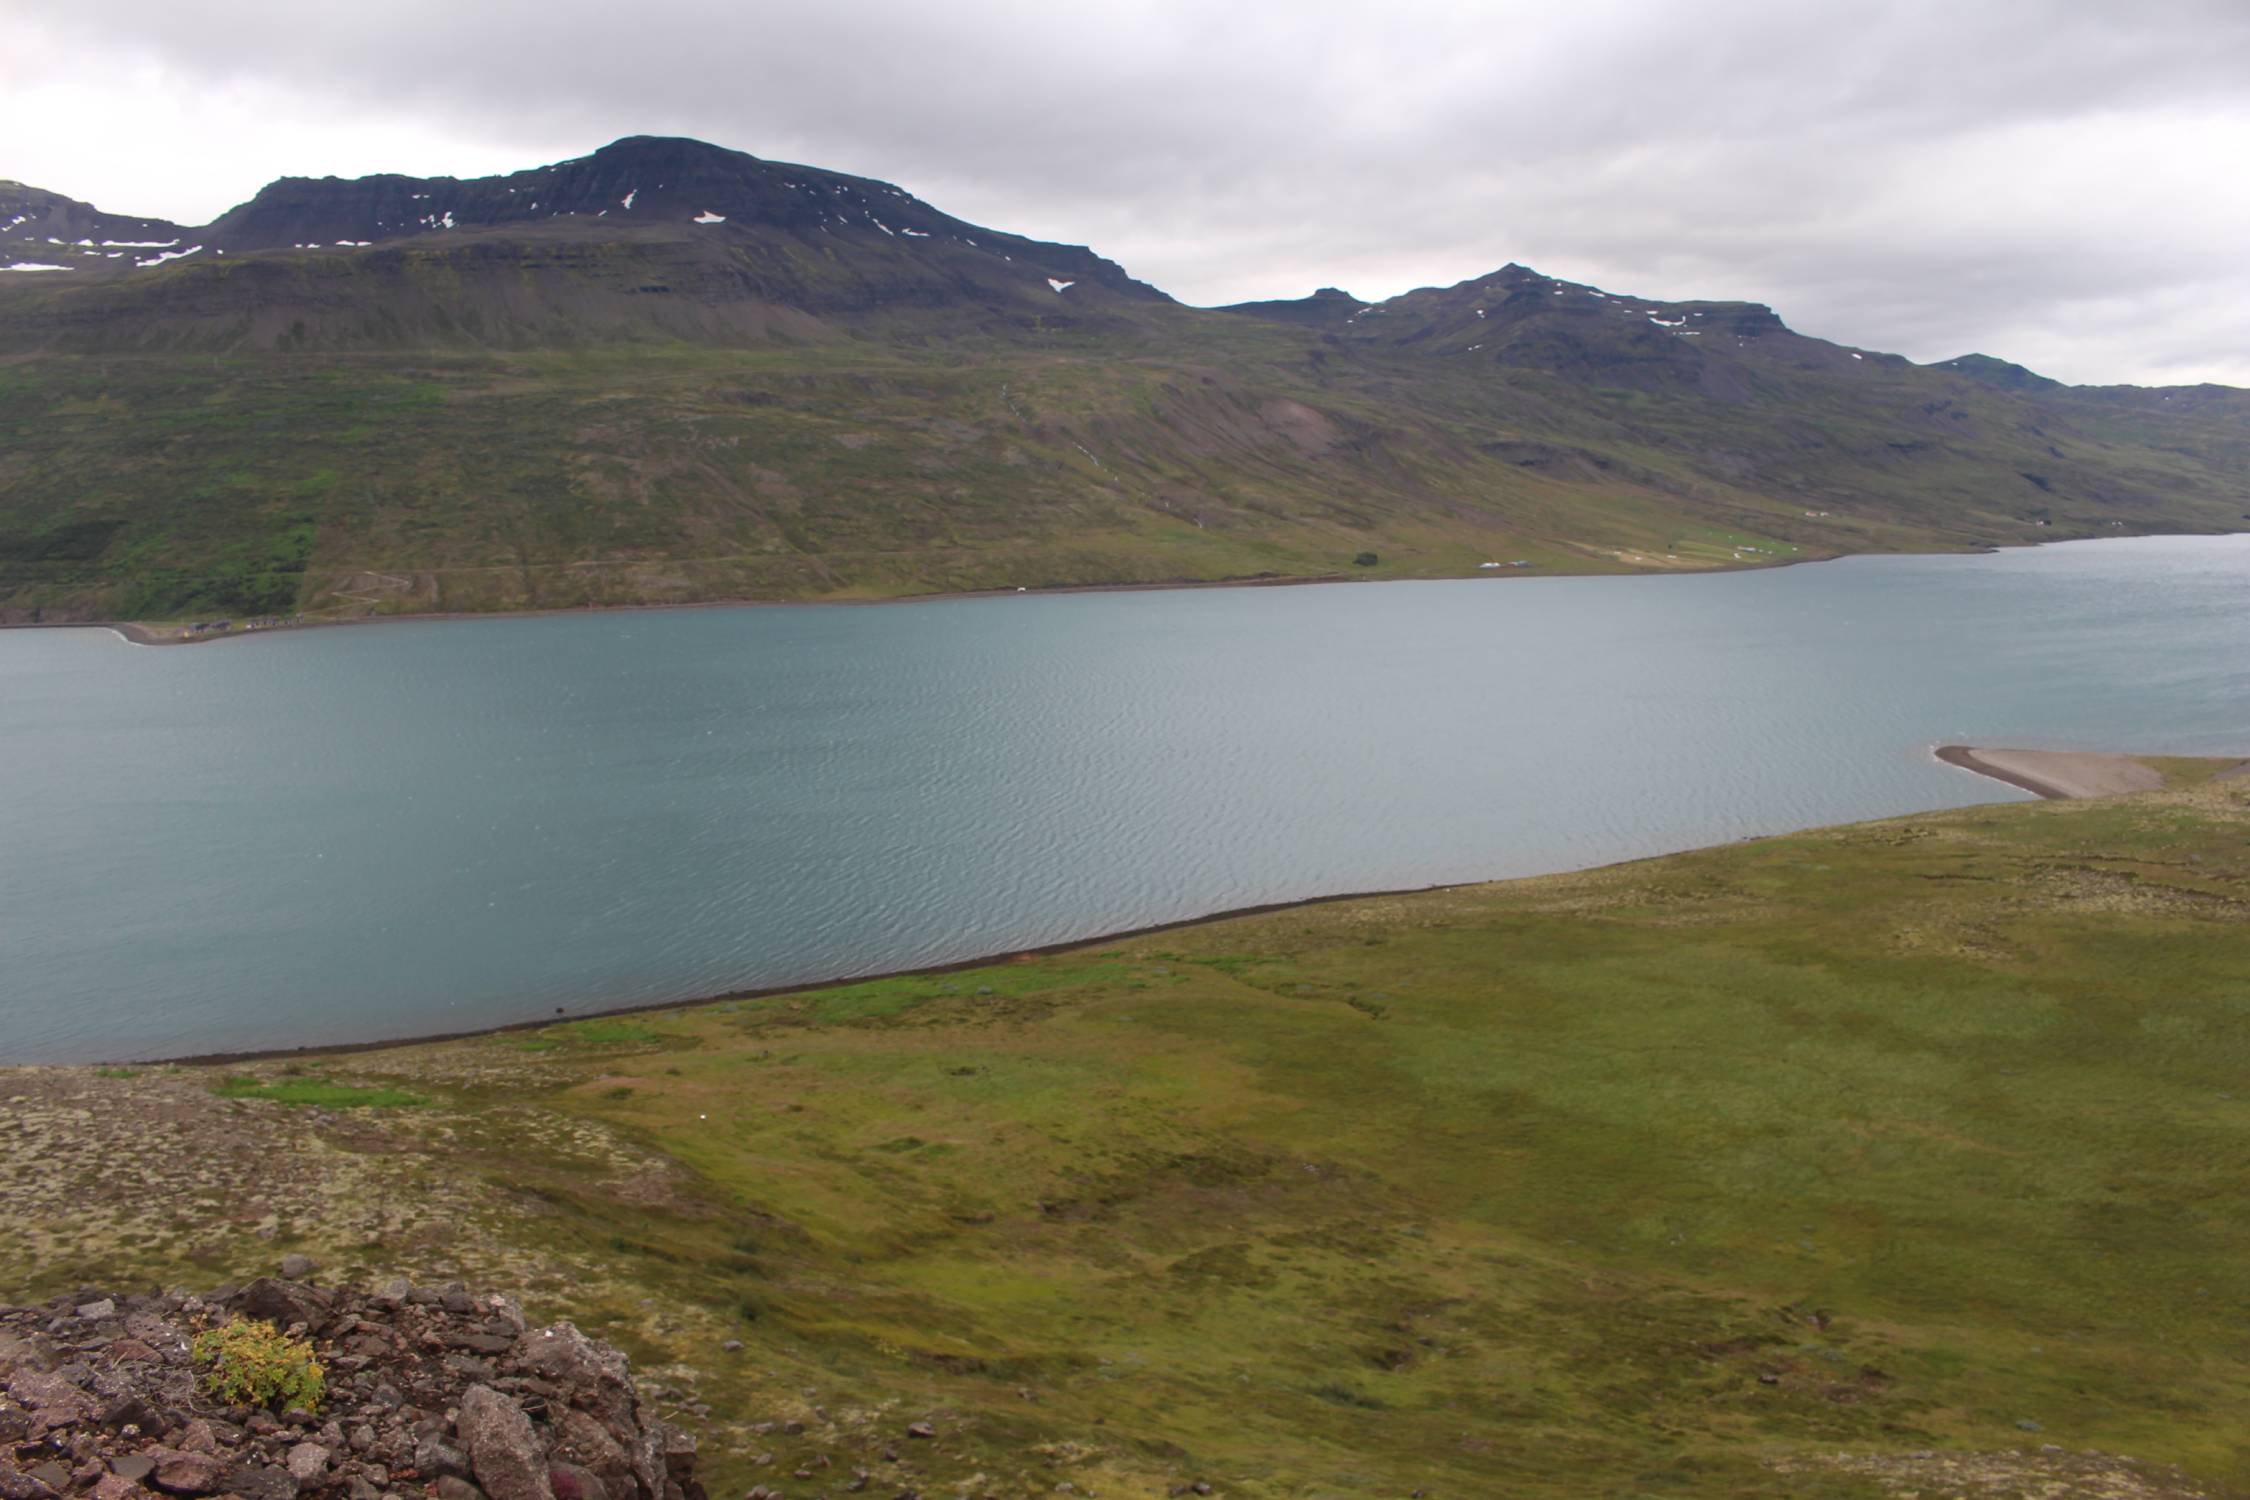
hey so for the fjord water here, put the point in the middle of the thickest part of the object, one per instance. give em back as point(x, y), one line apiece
point(344, 835)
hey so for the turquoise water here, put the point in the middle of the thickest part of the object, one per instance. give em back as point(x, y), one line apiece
point(352, 834)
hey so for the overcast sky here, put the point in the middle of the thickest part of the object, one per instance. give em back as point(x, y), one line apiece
point(2065, 183)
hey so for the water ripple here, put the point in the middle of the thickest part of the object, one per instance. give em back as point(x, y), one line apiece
point(349, 834)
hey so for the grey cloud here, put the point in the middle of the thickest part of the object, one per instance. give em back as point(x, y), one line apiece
point(1914, 176)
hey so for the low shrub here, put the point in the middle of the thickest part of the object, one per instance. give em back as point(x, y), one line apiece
point(250, 1363)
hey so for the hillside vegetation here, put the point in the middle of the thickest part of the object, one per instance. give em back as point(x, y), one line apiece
point(814, 386)
point(1901, 1158)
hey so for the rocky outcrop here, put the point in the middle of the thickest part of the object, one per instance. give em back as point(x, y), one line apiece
point(438, 1393)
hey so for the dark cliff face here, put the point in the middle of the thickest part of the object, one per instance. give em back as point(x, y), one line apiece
point(637, 184)
point(1516, 317)
point(648, 238)
point(39, 228)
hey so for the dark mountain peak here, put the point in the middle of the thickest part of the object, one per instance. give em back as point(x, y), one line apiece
point(648, 236)
point(40, 230)
point(646, 188)
point(1998, 373)
point(657, 152)
point(634, 182)
point(1329, 307)
point(681, 147)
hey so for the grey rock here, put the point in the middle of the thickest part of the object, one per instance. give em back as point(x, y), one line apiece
point(571, 1482)
point(298, 1267)
point(433, 1456)
point(679, 1450)
point(451, 1488)
point(595, 1381)
point(582, 1441)
point(180, 1472)
point(307, 1462)
point(19, 1486)
point(282, 1303)
point(502, 1447)
point(260, 1482)
point(38, 1390)
point(594, 1378)
point(133, 1466)
point(94, 1311)
point(20, 1353)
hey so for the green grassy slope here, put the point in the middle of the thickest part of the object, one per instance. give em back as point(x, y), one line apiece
point(1855, 1162)
point(518, 418)
point(1202, 447)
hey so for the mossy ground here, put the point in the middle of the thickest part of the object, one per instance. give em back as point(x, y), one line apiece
point(1754, 1171)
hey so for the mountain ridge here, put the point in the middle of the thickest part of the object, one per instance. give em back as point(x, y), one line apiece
point(670, 372)
point(710, 186)
point(640, 182)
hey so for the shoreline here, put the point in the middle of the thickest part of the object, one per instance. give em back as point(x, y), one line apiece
point(2067, 775)
point(814, 986)
point(140, 633)
point(1965, 758)
point(1962, 757)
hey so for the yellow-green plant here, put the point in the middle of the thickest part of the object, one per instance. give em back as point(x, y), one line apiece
point(252, 1363)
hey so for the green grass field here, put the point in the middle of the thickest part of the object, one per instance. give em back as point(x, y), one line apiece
point(179, 487)
point(1753, 1171)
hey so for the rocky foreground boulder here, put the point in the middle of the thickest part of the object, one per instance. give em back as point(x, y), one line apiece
point(432, 1393)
